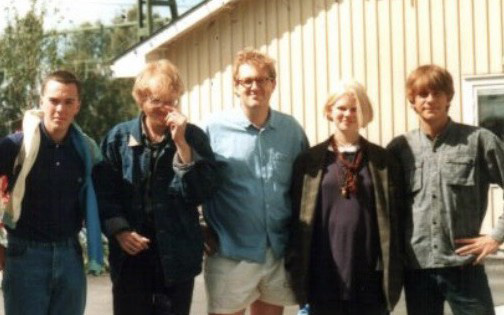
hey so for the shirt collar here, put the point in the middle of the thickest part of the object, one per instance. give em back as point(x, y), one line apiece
point(138, 135)
point(243, 120)
point(446, 130)
point(48, 141)
point(442, 135)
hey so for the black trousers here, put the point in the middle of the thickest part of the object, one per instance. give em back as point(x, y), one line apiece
point(348, 308)
point(141, 290)
point(465, 289)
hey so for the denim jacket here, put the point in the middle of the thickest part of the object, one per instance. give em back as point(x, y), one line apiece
point(176, 191)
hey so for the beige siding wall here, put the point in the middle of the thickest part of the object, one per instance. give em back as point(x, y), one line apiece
point(317, 42)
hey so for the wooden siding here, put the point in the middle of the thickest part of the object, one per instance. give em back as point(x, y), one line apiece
point(318, 42)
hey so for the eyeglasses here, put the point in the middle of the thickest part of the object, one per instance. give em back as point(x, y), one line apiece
point(156, 102)
point(247, 83)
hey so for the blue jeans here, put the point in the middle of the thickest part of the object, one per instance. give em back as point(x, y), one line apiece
point(44, 278)
point(465, 288)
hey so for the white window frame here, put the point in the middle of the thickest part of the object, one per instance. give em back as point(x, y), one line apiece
point(471, 85)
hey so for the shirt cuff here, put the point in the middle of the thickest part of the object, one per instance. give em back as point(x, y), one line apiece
point(498, 234)
point(116, 225)
point(180, 168)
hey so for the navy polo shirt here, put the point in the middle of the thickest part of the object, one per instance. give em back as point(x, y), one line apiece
point(50, 208)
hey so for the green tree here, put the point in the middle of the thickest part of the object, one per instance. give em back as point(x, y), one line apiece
point(25, 53)
point(106, 101)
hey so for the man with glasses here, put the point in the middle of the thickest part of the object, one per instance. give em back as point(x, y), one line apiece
point(157, 169)
point(256, 146)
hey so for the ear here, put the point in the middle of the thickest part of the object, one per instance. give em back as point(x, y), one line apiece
point(327, 113)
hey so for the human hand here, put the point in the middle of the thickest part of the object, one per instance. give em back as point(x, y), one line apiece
point(480, 246)
point(177, 123)
point(132, 242)
point(4, 194)
point(211, 242)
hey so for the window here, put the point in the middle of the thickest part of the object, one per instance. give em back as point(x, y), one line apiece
point(483, 101)
point(483, 105)
point(491, 111)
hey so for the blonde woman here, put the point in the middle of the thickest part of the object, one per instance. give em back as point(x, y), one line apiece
point(344, 255)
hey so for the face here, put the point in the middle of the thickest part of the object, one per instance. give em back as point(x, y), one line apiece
point(431, 106)
point(60, 104)
point(344, 114)
point(157, 106)
point(254, 87)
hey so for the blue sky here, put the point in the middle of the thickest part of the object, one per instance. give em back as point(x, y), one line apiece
point(67, 14)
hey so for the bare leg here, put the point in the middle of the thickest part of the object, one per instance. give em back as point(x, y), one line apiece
point(263, 308)
point(242, 312)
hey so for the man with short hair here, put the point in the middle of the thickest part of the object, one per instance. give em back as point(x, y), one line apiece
point(48, 166)
point(256, 146)
point(447, 168)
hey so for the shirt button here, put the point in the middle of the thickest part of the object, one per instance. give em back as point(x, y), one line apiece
point(434, 222)
point(434, 196)
point(57, 146)
point(434, 246)
point(58, 163)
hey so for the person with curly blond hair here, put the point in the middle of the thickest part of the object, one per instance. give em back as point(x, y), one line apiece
point(157, 170)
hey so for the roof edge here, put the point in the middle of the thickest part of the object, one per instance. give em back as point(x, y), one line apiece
point(130, 62)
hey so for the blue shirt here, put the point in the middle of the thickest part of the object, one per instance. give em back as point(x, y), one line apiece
point(251, 210)
point(50, 209)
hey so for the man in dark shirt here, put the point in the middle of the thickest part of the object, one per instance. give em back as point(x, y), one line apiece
point(447, 168)
point(48, 167)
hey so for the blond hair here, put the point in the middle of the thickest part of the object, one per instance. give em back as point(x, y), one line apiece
point(255, 58)
point(160, 75)
point(358, 92)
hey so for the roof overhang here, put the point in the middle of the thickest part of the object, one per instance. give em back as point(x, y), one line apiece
point(131, 62)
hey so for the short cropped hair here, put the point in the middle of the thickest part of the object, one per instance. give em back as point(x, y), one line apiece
point(64, 77)
point(358, 92)
point(162, 75)
point(429, 78)
point(255, 58)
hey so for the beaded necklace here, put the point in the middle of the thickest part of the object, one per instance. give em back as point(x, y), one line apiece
point(350, 169)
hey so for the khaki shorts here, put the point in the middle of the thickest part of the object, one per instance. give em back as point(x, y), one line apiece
point(232, 285)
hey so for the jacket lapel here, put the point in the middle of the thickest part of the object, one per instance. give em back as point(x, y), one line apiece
point(379, 174)
point(311, 182)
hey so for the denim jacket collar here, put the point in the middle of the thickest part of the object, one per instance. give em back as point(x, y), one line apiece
point(135, 136)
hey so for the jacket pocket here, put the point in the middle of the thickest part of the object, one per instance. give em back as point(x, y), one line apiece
point(459, 170)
